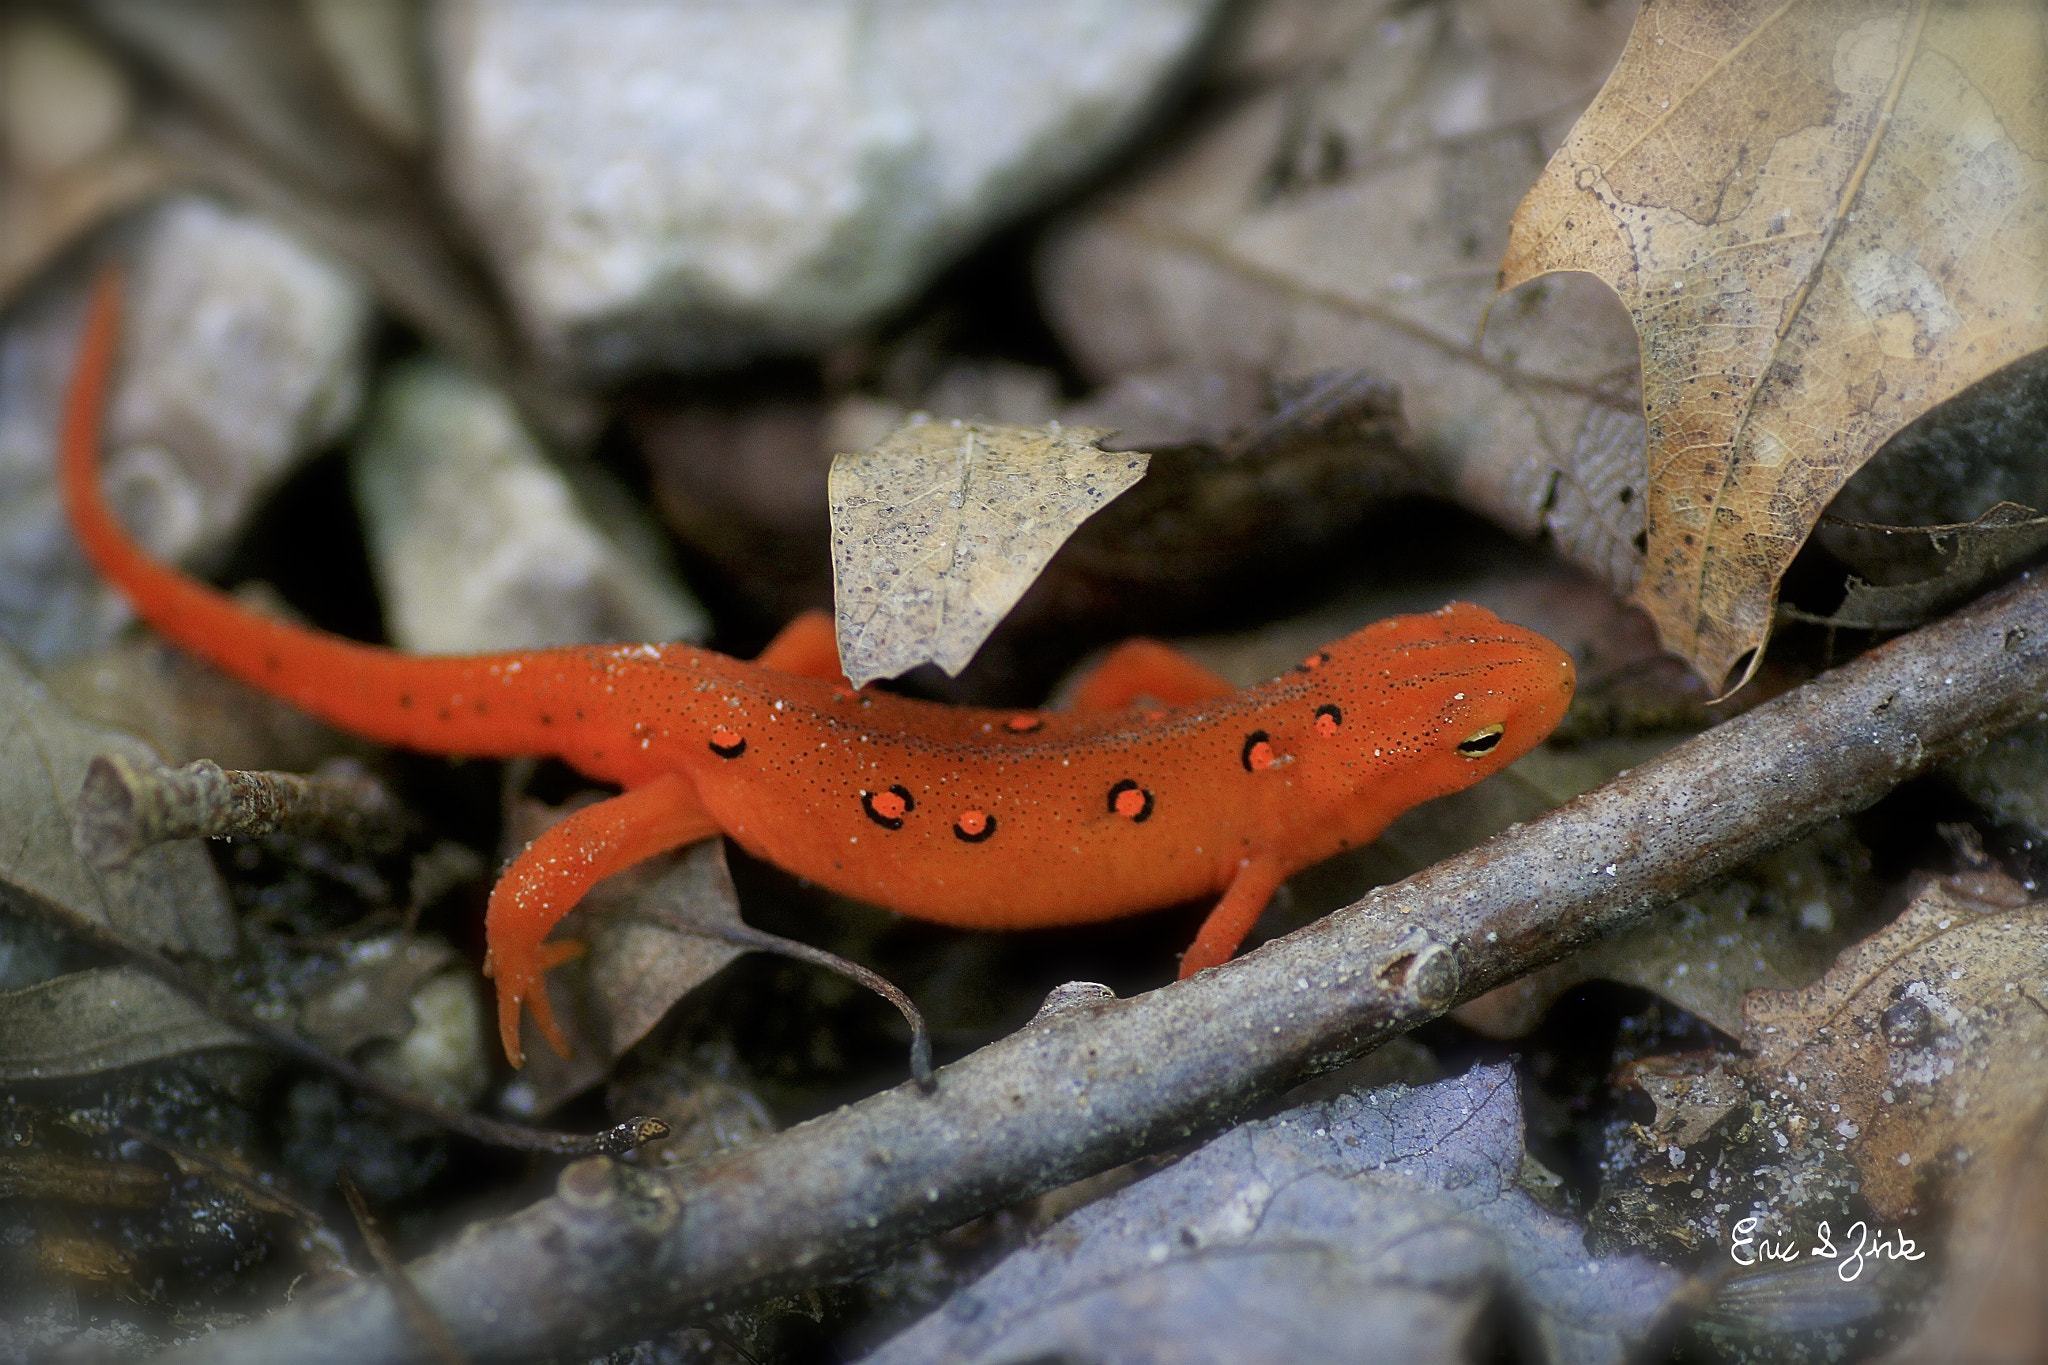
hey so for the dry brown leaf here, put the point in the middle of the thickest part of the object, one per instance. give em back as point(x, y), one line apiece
point(99, 1019)
point(170, 897)
point(1344, 215)
point(1921, 1047)
point(1991, 1308)
point(937, 532)
point(635, 969)
point(1825, 217)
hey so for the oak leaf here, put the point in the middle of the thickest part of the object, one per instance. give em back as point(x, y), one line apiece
point(1825, 217)
point(1920, 1049)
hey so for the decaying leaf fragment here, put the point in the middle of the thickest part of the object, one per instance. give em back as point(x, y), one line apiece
point(1346, 213)
point(1373, 1226)
point(99, 1019)
point(1825, 216)
point(636, 967)
point(1964, 558)
point(1922, 1046)
point(937, 532)
point(169, 897)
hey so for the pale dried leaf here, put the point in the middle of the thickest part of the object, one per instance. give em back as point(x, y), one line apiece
point(937, 532)
point(1347, 217)
point(1921, 1047)
point(96, 1020)
point(1369, 1227)
point(1825, 217)
point(169, 897)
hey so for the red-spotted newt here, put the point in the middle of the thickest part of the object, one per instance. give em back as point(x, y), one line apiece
point(1161, 784)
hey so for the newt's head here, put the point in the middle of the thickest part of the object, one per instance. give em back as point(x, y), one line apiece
point(1415, 707)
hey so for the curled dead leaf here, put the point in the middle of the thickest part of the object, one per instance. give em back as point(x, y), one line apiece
point(1825, 217)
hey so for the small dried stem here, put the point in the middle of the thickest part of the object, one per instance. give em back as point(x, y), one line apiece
point(125, 807)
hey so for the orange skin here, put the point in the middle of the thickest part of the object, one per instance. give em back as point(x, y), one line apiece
point(1163, 783)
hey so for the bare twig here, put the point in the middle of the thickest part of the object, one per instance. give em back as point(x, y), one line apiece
point(760, 941)
point(419, 1314)
point(125, 807)
point(618, 1249)
point(614, 1141)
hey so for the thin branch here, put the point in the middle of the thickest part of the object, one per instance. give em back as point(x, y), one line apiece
point(760, 941)
point(419, 1314)
point(617, 1140)
point(125, 807)
point(618, 1250)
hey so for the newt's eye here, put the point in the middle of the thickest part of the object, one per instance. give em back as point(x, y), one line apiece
point(1329, 719)
point(888, 808)
point(1481, 741)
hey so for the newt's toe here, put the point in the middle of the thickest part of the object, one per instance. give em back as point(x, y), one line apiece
point(522, 981)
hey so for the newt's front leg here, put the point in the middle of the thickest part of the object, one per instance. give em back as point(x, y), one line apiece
point(545, 882)
point(1242, 904)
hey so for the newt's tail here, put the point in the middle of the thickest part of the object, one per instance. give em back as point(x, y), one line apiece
point(440, 705)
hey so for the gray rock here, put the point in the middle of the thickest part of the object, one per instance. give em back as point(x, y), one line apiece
point(694, 183)
point(480, 544)
point(241, 353)
point(2009, 777)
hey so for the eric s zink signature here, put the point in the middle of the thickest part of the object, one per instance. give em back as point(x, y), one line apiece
point(1862, 1242)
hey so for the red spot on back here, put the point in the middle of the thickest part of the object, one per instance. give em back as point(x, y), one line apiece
point(1326, 723)
point(1259, 756)
point(1024, 723)
point(889, 805)
point(973, 821)
point(1130, 804)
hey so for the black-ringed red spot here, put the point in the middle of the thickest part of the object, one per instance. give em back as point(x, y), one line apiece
point(1329, 720)
point(1024, 723)
point(1313, 662)
point(1131, 801)
point(726, 744)
point(974, 826)
point(1257, 754)
point(888, 808)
